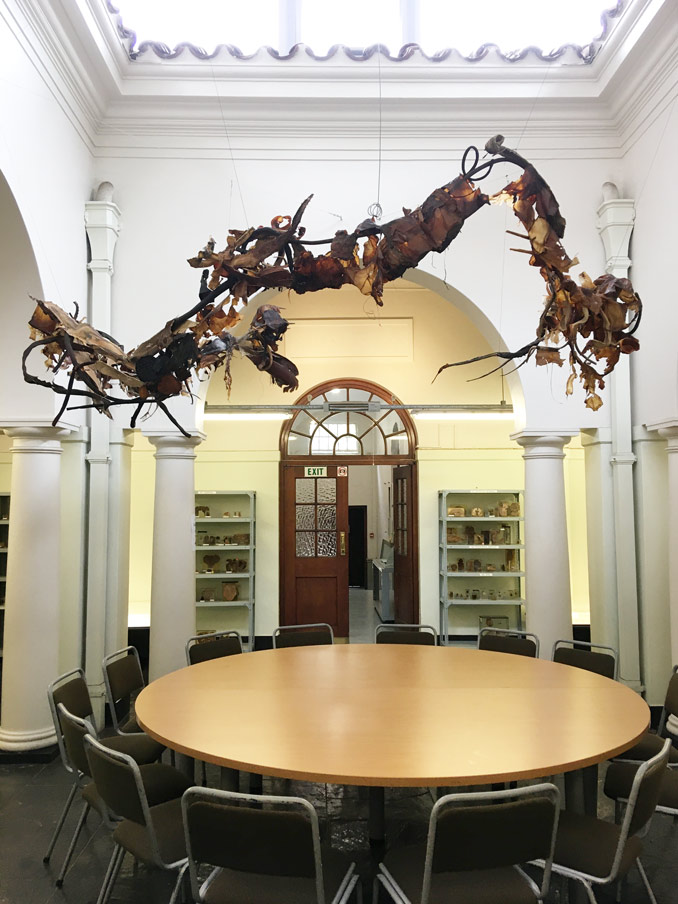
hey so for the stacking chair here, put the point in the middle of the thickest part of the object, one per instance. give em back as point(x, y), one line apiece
point(263, 849)
point(652, 743)
point(504, 640)
point(595, 852)
point(594, 657)
point(70, 690)
point(202, 647)
point(474, 851)
point(123, 679)
point(149, 829)
point(302, 635)
point(416, 634)
point(619, 781)
point(164, 782)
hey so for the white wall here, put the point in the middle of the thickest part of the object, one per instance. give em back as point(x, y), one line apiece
point(46, 162)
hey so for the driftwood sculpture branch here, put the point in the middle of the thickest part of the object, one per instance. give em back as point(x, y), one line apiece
point(594, 320)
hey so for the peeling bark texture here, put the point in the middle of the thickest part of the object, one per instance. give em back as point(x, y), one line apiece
point(595, 319)
point(592, 321)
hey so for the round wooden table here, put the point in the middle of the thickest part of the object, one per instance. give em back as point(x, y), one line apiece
point(392, 715)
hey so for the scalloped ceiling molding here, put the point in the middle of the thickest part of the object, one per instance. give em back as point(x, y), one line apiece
point(584, 53)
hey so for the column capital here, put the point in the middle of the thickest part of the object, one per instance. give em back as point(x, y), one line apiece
point(668, 430)
point(597, 436)
point(175, 445)
point(615, 223)
point(543, 443)
point(102, 223)
point(36, 438)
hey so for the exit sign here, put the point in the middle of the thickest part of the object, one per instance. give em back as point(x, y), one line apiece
point(315, 472)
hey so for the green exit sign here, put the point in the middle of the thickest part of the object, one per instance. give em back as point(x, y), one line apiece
point(315, 472)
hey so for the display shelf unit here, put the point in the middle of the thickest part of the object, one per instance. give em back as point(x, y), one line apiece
point(4, 532)
point(225, 540)
point(481, 560)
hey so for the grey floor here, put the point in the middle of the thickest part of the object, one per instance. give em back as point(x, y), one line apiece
point(31, 797)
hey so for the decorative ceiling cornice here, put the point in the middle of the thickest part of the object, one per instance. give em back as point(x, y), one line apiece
point(584, 54)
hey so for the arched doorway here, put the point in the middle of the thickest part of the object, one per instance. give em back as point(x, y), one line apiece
point(342, 427)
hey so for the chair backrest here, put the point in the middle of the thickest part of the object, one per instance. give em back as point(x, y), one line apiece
point(593, 657)
point(670, 707)
point(123, 679)
point(71, 690)
point(202, 647)
point(118, 781)
point(491, 829)
point(643, 800)
point(302, 635)
point(416, 634)
point(505, 640)
point(74, 731)
point(271, 835)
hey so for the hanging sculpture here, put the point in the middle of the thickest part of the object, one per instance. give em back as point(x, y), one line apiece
point(595, 320)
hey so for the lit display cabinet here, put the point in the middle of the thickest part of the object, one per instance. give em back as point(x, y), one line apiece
point(225, 544)
point(481, 553)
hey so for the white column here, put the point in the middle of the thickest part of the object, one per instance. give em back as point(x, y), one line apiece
point(31, 638)
point(669, 430)
point(102, 222)
point(119, 500)
point(173, 578)
point(73, 551)
point(600, 536)
point(548, 604)
point(652, 513)
point(615, 223)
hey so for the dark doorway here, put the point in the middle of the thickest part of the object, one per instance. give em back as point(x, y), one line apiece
point(357, 546)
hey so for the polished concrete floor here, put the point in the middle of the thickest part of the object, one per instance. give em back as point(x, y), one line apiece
point(31, 797)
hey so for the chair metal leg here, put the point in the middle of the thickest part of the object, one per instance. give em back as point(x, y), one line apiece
point(178, 885)
point(69, 853)
point(375, 890)
point(111, 874)
point(643, 876)
point(60, 824)
point(589, 892)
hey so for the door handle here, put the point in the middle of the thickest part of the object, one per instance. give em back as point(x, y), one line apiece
point(342, 542)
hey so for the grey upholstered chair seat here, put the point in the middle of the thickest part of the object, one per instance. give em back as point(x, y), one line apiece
point(232, 887)
point(588, 845)
point(141, 748)
point(648, 746)
point(502, 885)
point(130, 725)
point(169, 830)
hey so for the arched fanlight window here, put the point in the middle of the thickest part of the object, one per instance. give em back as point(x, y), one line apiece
point(349, 418)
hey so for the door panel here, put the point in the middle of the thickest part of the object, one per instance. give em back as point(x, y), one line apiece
point(315, 548)
point(405, 546)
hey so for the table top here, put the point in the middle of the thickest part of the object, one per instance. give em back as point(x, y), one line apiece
point(392, 715)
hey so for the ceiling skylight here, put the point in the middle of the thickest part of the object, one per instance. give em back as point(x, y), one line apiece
point(435, 25)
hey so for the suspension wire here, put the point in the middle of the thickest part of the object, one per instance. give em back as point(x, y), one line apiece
point(228, 143)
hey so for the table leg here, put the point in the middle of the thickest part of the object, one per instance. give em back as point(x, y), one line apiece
point(256, 783)
point(229, 779)
point(376, 818)
point(186, 765)
point(581, 790)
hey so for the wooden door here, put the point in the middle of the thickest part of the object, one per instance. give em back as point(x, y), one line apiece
point(315, 548)
point(405, 546)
